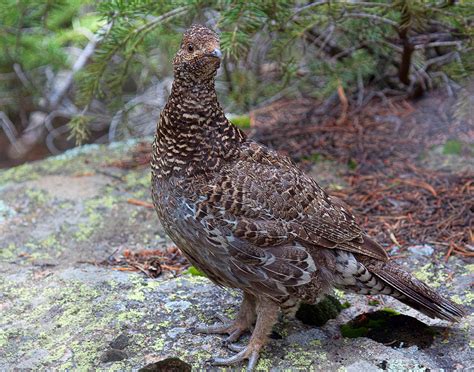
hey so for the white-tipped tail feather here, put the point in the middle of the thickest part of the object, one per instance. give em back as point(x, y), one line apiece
point(373, 277)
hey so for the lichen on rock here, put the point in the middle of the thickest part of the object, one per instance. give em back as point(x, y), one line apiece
point(60, 309)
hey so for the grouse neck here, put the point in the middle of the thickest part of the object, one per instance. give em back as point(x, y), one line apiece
point(197, 98)
point(193, 135)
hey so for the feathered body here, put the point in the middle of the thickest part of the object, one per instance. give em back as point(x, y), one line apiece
point(251, 219)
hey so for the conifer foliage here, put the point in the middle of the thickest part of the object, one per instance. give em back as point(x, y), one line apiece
point(273, 48)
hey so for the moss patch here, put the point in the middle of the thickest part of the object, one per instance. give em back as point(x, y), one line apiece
point(352, 164)
point(241, 121)
point(194, 272)
point(319, 314)
point(452, 147)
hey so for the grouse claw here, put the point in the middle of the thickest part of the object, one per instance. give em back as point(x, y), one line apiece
point(234, 328)
point(245, 353)
point(233, 336)
point(235, 347)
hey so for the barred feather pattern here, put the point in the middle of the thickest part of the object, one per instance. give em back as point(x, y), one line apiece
point(251, 219)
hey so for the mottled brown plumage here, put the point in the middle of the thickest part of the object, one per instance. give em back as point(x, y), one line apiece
point(250, 219)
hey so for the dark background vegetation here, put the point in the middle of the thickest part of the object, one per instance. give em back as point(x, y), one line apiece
point(74, 72)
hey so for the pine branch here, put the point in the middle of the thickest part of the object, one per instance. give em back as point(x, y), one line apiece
point(118, 41)
point(373, 17)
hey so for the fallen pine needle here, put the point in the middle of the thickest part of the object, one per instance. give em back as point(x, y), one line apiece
point(450, 250)
point(140, 203)
point(422, 184)
point(344, 104)
point(394, 239)
point(123, 268)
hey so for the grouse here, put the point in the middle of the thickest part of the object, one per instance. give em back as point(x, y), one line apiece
point(250, 219)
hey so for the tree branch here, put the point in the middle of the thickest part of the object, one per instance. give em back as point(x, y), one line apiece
point(437, 44)
point(373, 17)
point(88, 51)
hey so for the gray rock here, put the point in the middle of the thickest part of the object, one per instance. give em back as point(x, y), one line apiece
point(178, 306)
point(113, 355)
point(174, 332)
point(121, 342)
point(362, 366)
point(60, 309)
point(422, 250)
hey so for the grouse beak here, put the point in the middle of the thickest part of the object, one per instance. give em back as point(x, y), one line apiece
point(216, 53)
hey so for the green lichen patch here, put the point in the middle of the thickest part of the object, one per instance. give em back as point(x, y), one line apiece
point(70, 320)
point(432, 274)
point(138, 182)
point(390, 328)
point(94, 215)
point(8, 252)
point(75, 161)
point(18, 174)
point(36, 198)
point(63, 314)
point(300, 358)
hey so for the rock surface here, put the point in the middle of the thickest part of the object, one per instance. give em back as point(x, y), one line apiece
point(58, 309)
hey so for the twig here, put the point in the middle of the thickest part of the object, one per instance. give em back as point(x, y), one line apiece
point(9, 129)
point(88, 51)
point(373, 17)
point(450, 250)
point(446, 58)
point(140, 203)
point(344, 104)
point(21, 75)
point(360, 89)
point(309, 6)
point(63, 129)
point(437, 44)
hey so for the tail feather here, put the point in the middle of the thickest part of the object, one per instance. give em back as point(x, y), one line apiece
point(417, 294)
point(366, 275)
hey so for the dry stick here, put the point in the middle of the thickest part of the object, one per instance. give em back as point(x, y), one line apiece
point(437, 44)
point(360, 90)
point(450, 250)
point(344, 104)
point(58, 96)
point(9, 129)
point(140, 203)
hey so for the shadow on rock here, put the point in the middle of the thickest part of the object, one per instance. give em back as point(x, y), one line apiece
point(391, 329)
point(167, 365)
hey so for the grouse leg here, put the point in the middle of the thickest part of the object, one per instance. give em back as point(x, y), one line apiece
point(267, 315)
point(235, 328)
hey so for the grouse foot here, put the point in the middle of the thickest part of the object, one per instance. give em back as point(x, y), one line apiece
point(267, 314)
point(234, 328)
point(250, 352)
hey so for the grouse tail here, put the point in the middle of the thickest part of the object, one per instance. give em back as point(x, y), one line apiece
point(417, 294)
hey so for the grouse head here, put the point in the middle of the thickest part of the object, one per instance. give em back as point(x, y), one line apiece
point(199, 55)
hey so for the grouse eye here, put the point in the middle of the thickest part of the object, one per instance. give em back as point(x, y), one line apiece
point(190, 48)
